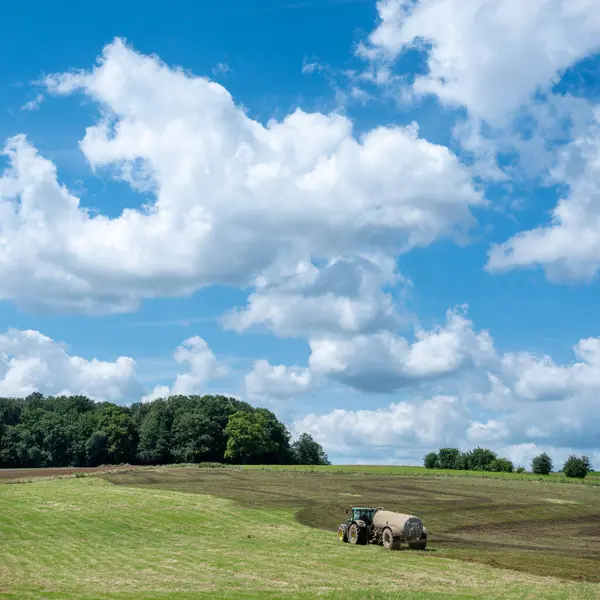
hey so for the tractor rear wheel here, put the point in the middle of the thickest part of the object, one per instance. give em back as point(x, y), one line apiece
point(357, 534)
point(343, 532)
point(389, 541)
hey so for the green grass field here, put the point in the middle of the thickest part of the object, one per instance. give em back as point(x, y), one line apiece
point(266, 533)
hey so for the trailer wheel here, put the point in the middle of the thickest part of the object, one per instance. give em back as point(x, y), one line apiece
point(418, 545)
point(343, 532)
point(389, 541)
point(357, 534)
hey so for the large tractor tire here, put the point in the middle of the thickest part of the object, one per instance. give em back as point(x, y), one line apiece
point(357, 535)
point(343, 532)
point(390, 542)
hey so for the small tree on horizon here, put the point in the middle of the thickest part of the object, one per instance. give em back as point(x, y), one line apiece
point(431, 460)
point(576, 466)
point(542, 464)
point(501, 465)
point(306, 451)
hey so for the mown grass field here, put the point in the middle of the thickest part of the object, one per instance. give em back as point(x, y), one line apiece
point(256, 533)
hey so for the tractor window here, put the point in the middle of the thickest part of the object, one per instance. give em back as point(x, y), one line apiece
point(363, 514)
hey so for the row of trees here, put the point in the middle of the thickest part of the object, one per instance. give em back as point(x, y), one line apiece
point(75, 431)
point(483, 459)
point(479, 459)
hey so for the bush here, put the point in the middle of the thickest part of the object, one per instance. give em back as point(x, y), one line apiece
point(501, 465)
point(577, 467)
point(447, 458)
point(431, 461)
point(520, 470)
point(542, 464)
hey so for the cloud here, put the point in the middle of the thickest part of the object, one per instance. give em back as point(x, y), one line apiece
point(277, 382)
point(232, 196)
point(401, 425)
point(385, 361)
point(32, 362)
point(33, 104)
point(568, 248)
point(462, 392)
point(221, 69)
point(490, 56)
point(541, 378)
point(342, 297)
point(203, 366)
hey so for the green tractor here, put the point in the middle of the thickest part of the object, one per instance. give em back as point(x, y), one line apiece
point(358, 525)
point(384, 527)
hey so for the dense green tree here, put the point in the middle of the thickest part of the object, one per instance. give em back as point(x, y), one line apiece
point(277, 432)
point(462, 461)
point(116, 424)
point(576, 466)
point(431, 460)
point(155, 434)
point(501, 465)
point(306, 451)
point(192, 437)
point(73, 430)
point(96, 449)
point(447, 457)
point(248, 438)
point(542, 464)
point(480, 459)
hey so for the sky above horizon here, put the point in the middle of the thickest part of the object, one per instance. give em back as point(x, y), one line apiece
point(381, 220)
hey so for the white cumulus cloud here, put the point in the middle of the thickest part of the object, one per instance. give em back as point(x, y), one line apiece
point(490, 56)
point(32, 362)
point(277, 382)
point(510, 402)
point(203, 366)
point(232, 196)
point(384, 361)
point(344, 296)
point(354, 433)
point(568, 247)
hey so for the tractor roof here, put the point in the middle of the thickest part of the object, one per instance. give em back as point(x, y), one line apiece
point(362, 508)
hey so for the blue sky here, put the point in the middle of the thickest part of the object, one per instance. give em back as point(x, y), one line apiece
point(348, 283)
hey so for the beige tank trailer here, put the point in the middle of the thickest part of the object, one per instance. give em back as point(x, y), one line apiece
point(384, 527)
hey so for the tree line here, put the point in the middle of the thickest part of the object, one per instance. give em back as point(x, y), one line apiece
point(61, 431)
point(483, 459)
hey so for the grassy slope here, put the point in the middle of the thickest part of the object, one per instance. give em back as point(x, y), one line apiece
point(531, 526)
point(85, 538)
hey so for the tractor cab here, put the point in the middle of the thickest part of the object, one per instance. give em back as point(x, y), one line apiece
point(358, 513)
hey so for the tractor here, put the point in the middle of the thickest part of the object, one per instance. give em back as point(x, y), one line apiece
point(383, 527)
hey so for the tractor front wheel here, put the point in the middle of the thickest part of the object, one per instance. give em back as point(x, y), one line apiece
point(343, 532)
point(389, 541)
point(357, 534)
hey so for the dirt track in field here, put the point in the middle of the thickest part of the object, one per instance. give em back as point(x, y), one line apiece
point(52, 472)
